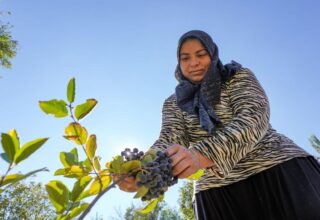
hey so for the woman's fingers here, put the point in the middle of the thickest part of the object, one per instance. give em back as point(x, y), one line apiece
point(179, 168)
point(176, 153)
point(173, 149)
point(128, 184)
point(185, 173)
point(183, 162)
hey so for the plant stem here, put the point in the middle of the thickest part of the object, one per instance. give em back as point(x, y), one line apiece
point(83, 147)
point(83, 215)
point(4, 176)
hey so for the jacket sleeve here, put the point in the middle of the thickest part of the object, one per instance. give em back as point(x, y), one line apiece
point(173, 130)
point(249, 124)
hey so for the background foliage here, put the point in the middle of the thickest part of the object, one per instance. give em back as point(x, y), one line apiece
point(8, 46)
point(26, 201)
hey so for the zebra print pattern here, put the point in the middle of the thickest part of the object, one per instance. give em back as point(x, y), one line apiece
point(245, 145)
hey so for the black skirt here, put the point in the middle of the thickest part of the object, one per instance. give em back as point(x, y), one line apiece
point(289, 191)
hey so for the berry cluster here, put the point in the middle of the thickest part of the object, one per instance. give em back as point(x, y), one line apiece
point(135, 154)
point(157, 176)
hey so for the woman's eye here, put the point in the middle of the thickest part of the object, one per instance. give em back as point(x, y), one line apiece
point(202, 54)
point(184, 58)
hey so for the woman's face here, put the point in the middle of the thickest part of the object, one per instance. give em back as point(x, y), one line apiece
point(194, 60)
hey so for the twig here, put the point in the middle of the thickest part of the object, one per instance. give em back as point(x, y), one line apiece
point(83, 215)
point(4, 176)
point(83, 147)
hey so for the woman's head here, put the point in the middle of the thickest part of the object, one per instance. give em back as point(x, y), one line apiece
point(196, 52)
point(194, 60)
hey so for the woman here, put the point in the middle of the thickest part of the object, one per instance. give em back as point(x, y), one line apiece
point(218, 119)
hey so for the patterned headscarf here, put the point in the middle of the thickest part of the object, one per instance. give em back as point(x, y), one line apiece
point(200, 98)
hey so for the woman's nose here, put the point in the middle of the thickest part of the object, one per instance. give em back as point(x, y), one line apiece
point(194, 62)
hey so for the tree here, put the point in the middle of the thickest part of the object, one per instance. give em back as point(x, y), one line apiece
point(25, 201)
point(161, 212)
point(8, 46)
point(315, 142)
point(185, 200)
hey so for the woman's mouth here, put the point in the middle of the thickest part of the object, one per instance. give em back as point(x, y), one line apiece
point(196, 72)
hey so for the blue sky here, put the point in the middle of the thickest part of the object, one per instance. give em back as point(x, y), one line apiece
point(123, 53)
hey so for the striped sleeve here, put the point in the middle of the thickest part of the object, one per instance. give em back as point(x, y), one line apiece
point(250, 123)
point(173, 130)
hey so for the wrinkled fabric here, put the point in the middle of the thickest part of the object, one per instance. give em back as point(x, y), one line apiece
point(200, 98)
point(288, 191)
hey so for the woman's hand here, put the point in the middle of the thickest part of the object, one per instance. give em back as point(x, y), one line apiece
point(186, 162)
point(128, 184)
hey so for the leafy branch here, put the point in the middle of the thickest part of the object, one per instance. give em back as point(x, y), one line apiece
point(14, 154)
point(91, 178)
point(315, 142)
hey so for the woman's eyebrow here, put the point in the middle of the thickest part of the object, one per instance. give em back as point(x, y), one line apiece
point(181, 54)
point(198, 51)
point(201, 50)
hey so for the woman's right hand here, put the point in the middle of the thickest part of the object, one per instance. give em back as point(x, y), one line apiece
point(128, 184)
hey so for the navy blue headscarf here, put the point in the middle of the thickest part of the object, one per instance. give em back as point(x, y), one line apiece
point(200, 98)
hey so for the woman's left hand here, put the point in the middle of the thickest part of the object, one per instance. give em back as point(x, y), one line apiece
point(186, 162)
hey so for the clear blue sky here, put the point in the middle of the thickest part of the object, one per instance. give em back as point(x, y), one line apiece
point(123, 53)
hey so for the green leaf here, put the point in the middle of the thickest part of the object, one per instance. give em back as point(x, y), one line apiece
point(138, 175)
point(91, 146)
point(141, 192)
point(116, 165)
point(72, 205)
point(75, 132)
point(64, 159)
point(69, 158)
point(77, 210)
point(58, 194)
point(12, 178)
point(104, 173)
point(131, 166)
point(84, 109)
point(15, 139)
point(146, 159)
point(151, 152)
point(87, 164)
point(74, 151)
point(27, 149)
point(75, 171)
point(85, 194)
point(71, 90)
point(108, 166)
point(197, 175)
point(57, 108)
point(149, 207)
point(8, 146)
point(149, 156)
point(96, 163)
point(4, 156)
point(79, 187)
point(161, 198)
point(70, 172)
point(95, 187)
point(59, 172)
point(62, 217)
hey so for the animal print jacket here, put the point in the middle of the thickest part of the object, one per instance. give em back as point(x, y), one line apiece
point(246, 144)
